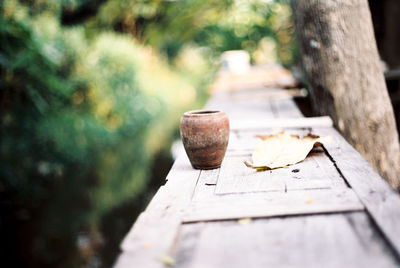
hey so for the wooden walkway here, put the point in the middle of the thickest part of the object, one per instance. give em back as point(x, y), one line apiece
point(331, 210)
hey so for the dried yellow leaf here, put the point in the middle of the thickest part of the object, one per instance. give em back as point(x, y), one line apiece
point(244, 221)
point(282, 150)
point(167, 260)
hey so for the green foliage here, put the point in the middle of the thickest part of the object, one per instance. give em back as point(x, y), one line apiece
point(80, 121)
point(217, 25)
point(32, 171)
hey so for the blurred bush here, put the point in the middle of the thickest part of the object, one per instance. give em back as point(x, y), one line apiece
point(80, 122)
point(214, 24)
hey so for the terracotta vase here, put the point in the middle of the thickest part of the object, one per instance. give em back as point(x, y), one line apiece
point(205, 136)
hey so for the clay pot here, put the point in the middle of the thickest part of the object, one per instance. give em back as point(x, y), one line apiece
point(205, 136)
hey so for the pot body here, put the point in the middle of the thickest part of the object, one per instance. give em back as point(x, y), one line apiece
point(205, 136)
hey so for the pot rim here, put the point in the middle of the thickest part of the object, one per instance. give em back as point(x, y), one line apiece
point(202, 113)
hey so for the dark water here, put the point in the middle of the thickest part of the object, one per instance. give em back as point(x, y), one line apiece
point(96, 246)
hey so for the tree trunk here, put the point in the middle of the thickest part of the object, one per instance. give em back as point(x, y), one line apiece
point(342, 65)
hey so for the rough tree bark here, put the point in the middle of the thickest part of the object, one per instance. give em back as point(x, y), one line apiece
point(341, 62)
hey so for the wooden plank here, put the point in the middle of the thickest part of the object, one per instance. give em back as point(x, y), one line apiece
point(206, 185)
point(315, 172)
point(181, 167)
point(247, 139)
point(235, 144)
point(128, 260)
point(329, 169)
point(272, 204)
point(142, 247)
point(266, 94)
point(235, 177)
point(286, 108)
point(380, 200)
point(335, 240)
point(307, 184)
point(243, 110)
point(208, 180)
point(283, 122)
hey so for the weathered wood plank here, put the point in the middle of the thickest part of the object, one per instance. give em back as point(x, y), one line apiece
point(335, 240)
point(181, 167)
point(286, 108)
point(235, 144)
point(380, 200)
point(243, 110)
point(329, 169)
point(235, 177)
point(162, 218)
point(263, 93)
point(128, 260)
point(206, 185)
point(315, 172)
point(307, 184)
point(208, 180)
point(283, 122)
point(272, 204)
point(247, 139)
point(143, 245)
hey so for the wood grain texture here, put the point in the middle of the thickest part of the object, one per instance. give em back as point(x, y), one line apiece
point(181, 168)
point(142, 247)
point(236, 145)
point(235, 177)
point(206, 185)
point(380, 200)
point(284, 122)
point(272, 204)
point(334, 240)
point(315, 172)
point(286, 108)
point(247, 138)
point(266, 94)
point(242, 110)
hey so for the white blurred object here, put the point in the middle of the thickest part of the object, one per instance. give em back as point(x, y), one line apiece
point(177, 149)
point(384, 66)
point(235, 61)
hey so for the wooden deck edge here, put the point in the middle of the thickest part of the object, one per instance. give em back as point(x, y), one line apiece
point(382, 202)
point(153, 234)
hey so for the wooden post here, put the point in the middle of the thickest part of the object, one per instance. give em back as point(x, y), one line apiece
point(342, 66)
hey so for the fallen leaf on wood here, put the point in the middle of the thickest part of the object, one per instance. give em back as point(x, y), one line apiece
point(244, 221)
point(167, 260)
point(282, 150)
